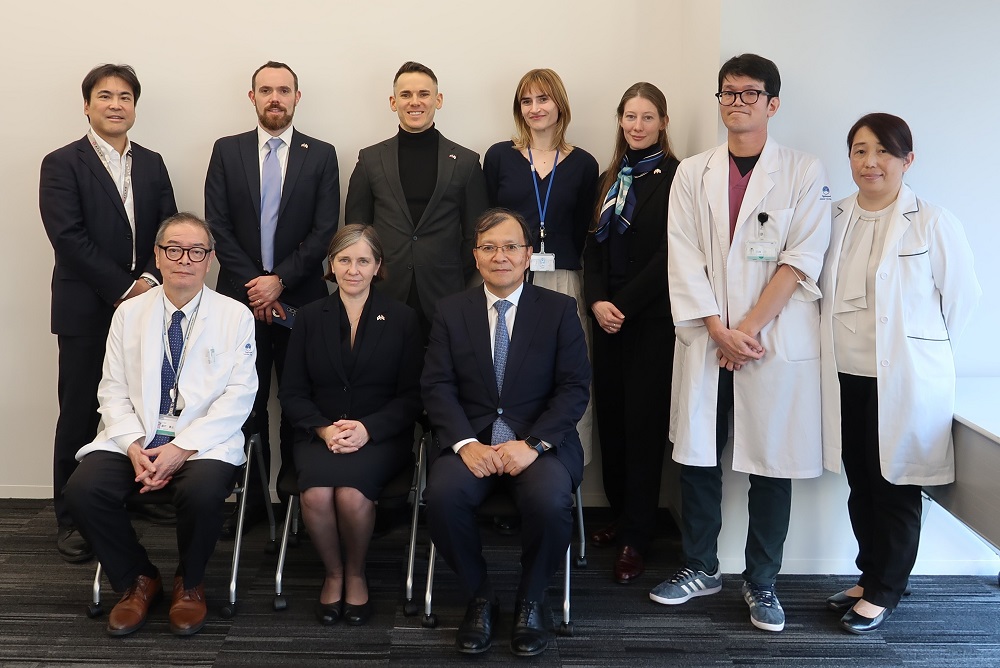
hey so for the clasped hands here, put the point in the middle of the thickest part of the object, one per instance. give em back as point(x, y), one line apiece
point(343, 436)
point(263, 293)
point(736, 347)
point(155, 467)
point(511, 457)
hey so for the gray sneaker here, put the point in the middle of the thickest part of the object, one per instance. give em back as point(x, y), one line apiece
point(765, 609)
point(685, 585)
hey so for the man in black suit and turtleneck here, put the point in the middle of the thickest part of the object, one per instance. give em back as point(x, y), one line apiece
point(423, 193)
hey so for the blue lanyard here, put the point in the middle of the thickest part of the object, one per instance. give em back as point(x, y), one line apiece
point(538, 198)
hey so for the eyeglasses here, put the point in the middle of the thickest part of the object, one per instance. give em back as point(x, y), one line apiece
point(194, 253)
point(506, 249)
point(727, 98)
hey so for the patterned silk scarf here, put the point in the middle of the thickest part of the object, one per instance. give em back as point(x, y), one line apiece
point(620, 200)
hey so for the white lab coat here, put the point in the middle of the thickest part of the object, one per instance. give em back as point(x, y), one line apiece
point(777, 399)
point(217, 385)
point(925, 292)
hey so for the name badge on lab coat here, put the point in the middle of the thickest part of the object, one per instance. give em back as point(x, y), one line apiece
point(762, 250)
point(166, 425)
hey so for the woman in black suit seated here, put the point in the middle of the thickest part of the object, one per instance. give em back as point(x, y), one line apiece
point(625, 286)
point(351, 388)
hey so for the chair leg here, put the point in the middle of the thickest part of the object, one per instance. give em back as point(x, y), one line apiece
point(258, 449)
point(94, 609)
point(581, 559)
point(430, 619)
point(409, 605)
point(229, 609)
point(566, 628)
point(280, 603)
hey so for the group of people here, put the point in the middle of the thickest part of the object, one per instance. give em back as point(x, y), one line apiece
point(714, 286)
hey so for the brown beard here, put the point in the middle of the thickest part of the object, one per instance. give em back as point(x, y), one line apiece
point(274, 124)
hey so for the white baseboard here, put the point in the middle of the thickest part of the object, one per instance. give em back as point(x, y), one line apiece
point(25, 491)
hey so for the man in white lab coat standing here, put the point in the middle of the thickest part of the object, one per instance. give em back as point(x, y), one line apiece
point(747, 226)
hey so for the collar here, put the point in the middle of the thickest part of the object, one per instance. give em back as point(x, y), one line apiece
point(108, 149)
point(263, 136)
point(492, 299)
point(188, 309)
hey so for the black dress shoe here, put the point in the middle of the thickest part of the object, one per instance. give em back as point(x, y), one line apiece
point(358, 615)
point(842, 602)
point(72, 546)
point(507, 526)
point(475, 633)
point(852, 622)
point(162, 514)
point(529, 636)
point(329, 614)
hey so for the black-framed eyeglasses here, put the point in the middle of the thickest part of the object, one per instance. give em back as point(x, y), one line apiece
point(727, 98)
point(194, 253)
point(507, 249)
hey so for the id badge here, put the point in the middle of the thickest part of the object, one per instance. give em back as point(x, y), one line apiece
point(166, 425)
point(762, 250)
point(543, 262)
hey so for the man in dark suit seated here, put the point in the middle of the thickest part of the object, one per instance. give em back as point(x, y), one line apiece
point(423, 193)
point(101, 199)
point(272, 197)
point(178, 384)
point(505, 381)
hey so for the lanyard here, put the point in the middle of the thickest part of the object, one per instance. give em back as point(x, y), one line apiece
point(104, 160)
point(184, 350)
point(538, 198)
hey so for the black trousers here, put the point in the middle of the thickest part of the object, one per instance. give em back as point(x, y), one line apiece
point(631, 395)
point(96, 496)
point(769, 504)
point(543, 494)
point(885, 517)
point(272, 344)
point(81, 361)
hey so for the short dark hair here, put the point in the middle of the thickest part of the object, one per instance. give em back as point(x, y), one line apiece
point(412, 66)
point(753, 66)
point(276, 65)
point(349, 235)
point(123, 72)
point(493, 217)
point(891, 131)
point(184, 217)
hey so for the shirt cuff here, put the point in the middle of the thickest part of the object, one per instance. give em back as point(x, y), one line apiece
point(458, 446)
point(125, 294)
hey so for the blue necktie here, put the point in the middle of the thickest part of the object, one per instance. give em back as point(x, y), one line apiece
point(501, 344)
point(270, 198)
point(176, 340)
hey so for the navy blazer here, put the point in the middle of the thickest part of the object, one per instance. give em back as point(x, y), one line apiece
point(85, 220)
point(383, 392)
point(307, 215)
point(546, 381)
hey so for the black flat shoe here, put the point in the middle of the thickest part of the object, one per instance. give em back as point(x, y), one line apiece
point(842, 602)
point(475, 633)
point(358, 615)
point(852, 622)
point(329, 614)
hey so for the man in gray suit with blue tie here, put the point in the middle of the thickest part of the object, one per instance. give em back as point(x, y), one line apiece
point(272, 197)
point(423, 193)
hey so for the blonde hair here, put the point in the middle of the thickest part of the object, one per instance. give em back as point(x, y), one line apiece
point(546, 82)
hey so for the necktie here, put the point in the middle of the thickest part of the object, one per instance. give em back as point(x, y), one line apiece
point(167, 376)
point(270, 198)
point(501, 344)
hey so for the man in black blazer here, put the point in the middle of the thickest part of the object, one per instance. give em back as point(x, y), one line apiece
point(522, 435)
point(272, 197)
point(423, 193)
point(101, 200)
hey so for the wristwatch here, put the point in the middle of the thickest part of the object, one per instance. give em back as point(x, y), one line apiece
point(150, 282)
point(537, 444)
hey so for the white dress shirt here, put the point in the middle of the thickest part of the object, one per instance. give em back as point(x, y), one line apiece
point(263, 136)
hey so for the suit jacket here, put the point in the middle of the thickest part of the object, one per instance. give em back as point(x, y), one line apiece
point(307, 215)
point(85, 220)
point(644, 293)
point(546, 382)
point(436, 250)
point(217, 384)
point(383, 390)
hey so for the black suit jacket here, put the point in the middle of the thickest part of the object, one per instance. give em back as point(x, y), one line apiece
point(307, 215)
point(436, 250)
point(644, 293)
point(546, 381)
point(383, 391)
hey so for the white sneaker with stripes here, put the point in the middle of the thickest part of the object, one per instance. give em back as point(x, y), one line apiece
point(685, 585)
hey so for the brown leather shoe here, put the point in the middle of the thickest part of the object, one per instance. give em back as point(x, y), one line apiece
point(628, 565)
point(129, 614)
point(605, 536)
point(188, 610)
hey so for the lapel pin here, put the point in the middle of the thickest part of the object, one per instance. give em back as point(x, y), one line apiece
point(380, 317)
point(452, 156)
point(657, 171)
point(304, 145)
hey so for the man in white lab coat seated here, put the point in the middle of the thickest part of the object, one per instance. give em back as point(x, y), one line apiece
point(748, 223)
point(178, 383)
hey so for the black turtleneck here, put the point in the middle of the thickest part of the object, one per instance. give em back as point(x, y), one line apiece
point(418, 158)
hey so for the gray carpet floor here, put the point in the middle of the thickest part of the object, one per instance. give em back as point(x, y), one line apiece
point(947, 621)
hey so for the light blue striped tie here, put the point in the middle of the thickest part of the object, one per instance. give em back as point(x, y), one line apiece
point(270, 198)
point(501, 344)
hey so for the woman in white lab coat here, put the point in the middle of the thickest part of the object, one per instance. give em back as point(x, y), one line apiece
point(898, 288)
